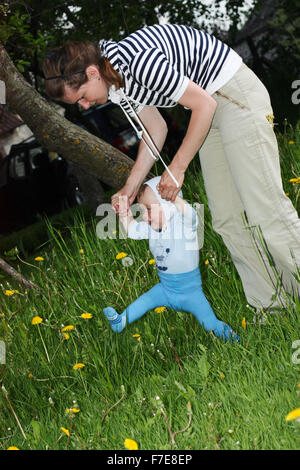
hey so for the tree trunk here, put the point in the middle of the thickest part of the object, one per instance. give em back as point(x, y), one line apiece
point(57, 134)
point(90, 187)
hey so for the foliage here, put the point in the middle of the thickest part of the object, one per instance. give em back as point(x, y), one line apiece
point(29, 27)
point(286, 22)
point(27, 239)
point(238, 396)
point(17, 35)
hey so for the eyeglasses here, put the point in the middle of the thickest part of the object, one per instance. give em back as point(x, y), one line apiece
point(64, 75)
point(62, 68)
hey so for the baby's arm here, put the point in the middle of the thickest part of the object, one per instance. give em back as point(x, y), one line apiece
point(190, 217)
point(180, 204)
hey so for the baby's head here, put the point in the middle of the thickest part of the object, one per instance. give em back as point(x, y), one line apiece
point(153, 212)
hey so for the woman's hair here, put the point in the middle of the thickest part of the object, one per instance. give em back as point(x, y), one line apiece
point(70, 62)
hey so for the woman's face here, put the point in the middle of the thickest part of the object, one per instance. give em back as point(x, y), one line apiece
point(93, 91)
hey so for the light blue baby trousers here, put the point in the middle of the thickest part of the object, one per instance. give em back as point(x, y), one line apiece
point(181, 292)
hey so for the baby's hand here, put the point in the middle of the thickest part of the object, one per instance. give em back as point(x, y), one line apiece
point(128, 192)
point(123, 207)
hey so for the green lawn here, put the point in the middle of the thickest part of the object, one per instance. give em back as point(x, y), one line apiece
point(223, 396)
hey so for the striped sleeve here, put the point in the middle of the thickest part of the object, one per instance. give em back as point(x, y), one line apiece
point(151, 69)
point(137, 108)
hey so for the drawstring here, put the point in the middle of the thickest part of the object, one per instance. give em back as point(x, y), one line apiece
point(242, 106)
point(116, 96)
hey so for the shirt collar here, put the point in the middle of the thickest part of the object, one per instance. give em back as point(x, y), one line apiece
point(110, 50)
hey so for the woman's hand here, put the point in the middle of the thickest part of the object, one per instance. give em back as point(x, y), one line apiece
point(127, 195)
point(157, 128)
point(167, 187)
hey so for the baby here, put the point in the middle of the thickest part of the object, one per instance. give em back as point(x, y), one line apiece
point(172, 232)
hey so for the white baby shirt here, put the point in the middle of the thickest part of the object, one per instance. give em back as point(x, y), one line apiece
point(175, 248)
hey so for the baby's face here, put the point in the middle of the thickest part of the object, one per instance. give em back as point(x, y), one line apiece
point(153, 212)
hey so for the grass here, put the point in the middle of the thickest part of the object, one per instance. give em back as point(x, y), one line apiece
point(174, 374)
point(29, 238)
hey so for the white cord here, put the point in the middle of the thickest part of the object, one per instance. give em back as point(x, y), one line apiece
point(116, 96)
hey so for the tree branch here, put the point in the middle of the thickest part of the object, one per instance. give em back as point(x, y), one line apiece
point(58, 134)
point(16, 275)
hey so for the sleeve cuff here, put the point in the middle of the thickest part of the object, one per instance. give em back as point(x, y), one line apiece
point(181, 90)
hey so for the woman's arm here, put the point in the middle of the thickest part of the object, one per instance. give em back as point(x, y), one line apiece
point(157, 129)
point(203, 107)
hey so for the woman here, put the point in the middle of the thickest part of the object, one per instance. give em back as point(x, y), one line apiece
point(231, 121)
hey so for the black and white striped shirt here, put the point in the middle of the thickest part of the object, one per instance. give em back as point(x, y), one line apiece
point(157, 62)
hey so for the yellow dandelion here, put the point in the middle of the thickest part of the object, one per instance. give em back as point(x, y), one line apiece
point(293, 415)
point(159, 309)
point(30, 375)
point(152, 261)
point(298, 385)
point(66, 431)
point(121, 255)
point(11, 292)
point(81, 251)
point(137, 336)
point(66, 335)
point(222, 376)
point(287, 194)
point(206, 262)
point(13, 448)
point(291, 142)
point(36, 320)
point(75, 410)
point(86, 315)
point(39, 258)
point(130, 444)
point(72, 410)
point(244, 323)
point(68, 328)
point(295, 180)
point(79, 365)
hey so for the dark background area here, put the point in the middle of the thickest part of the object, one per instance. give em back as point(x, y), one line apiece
point(266, 34)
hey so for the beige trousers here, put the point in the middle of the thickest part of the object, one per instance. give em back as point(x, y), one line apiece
point(241, 170)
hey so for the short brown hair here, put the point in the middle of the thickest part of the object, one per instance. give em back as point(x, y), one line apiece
point(74, 57)
point(141, 191)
